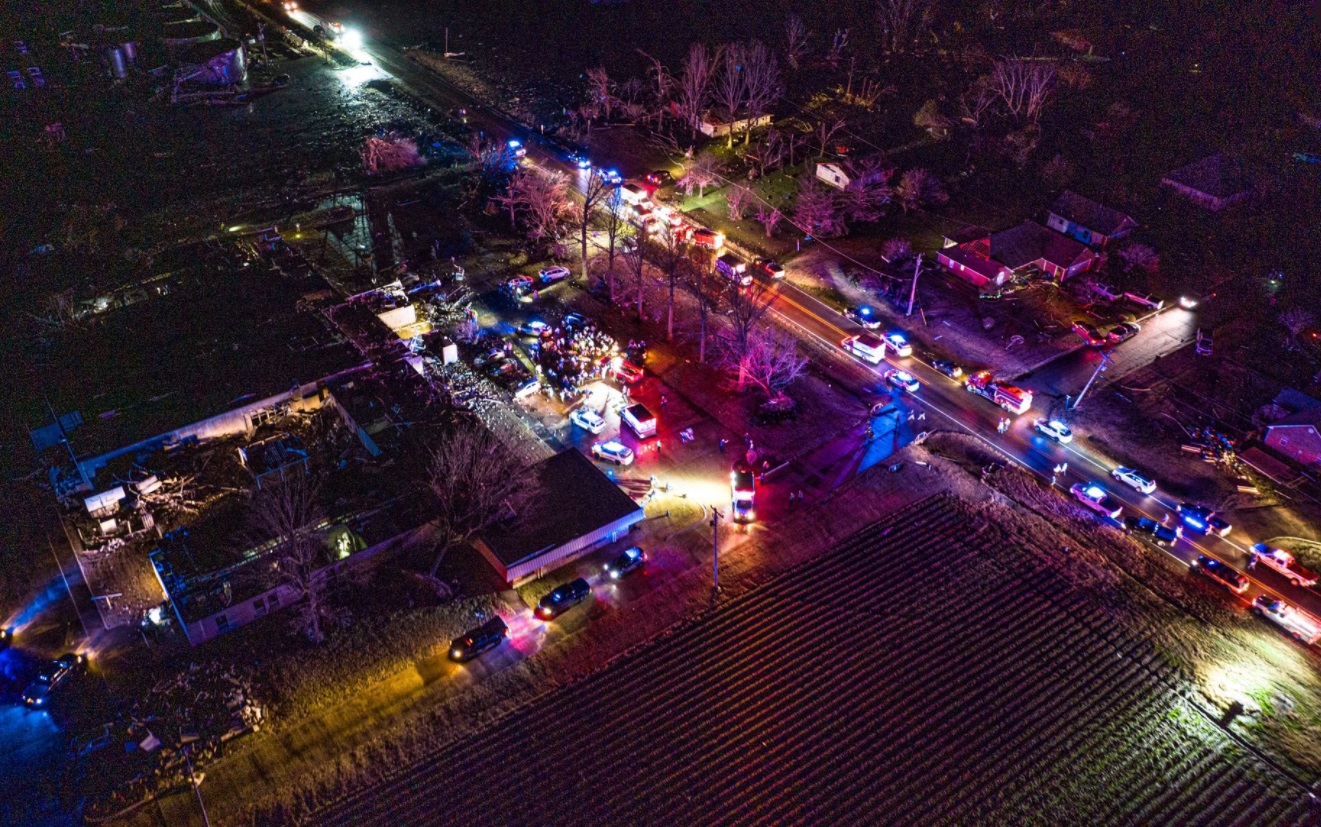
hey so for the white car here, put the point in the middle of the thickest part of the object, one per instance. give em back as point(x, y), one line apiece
point(902, 379)
point(898, 342)
point(588, 419)
point(1134, 480)
point(612, 451)
point(1054, 429)
point(553, 274)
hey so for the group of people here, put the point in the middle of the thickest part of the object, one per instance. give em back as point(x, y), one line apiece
point(572, 357)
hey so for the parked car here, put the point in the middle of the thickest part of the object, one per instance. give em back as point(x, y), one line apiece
point(1122, 332)
point(1204, 520)
point(1107, 291)
point(660, 178)
point(1097, 499)
point(1054, 429)
point(770, 267)
point(1134, 480)
point(1159, 534)
point(580, 160)
point(898, 342)
point(903, 380)
point(865, 315)
point(627, 372)
point(520, 289)
point(563, 598)
point(1221, 573)
point(551, 275)
point(611, 176)
point(527, 387)
point(588, 419)
point(51, 677)
point(479, 641)
point(639, 420)
point(572, 320)
point(1144, 299)
point(948, 368)
point(532, 328)
point(629, 561)
point(1089, 333)
point(613, 451)
point(1283, 562)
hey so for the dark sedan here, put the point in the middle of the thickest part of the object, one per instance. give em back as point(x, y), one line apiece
point(631, 560)
point(562, 599)
point(476, 642)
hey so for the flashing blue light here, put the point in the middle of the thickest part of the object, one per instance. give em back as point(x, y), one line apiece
point(864, 310)
point(1095, 492)
point(514, 144)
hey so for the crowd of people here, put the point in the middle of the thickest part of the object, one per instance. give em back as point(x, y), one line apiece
point(571, 356)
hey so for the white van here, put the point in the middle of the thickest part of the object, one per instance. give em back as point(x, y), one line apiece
point(640, 420)
point(866, 347)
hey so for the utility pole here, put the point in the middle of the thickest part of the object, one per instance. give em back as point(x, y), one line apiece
point(912, 294)
point(1105, 363)
point(196, 789)
point(715, 549)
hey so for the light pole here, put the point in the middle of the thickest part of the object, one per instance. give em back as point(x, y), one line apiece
point(1105, 363)
point(912, 294)
point(715, 549)
point(196, 789)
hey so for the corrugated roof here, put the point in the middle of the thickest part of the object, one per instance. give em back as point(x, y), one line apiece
point(573, 499)
point(1085, 212)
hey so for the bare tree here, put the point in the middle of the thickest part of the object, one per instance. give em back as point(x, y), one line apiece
point(895, 249)
point(772, 361)
point(762, 85)
point(595, 192)
point(795, 40)
point(391, 152)
point(613, 223)
point(825, 131)
point(493, 161)
point(512, 198)
point(900, 22)
point(817, 210)
point(869, 190)
point(920, 188)
point(544, 202)
point(694, 88)
point(745, 308)
point(662, 86)
point(1139, 255)
point(636, 260)
point(671, 257)
point(601, 89)
point(770, 219)
point(706, 286)
point(1024, 86)
point(702, 172)
point(476, 481)
point(730, 89)
point(837, 46)
point(737, 199)
point(976, 100)
point(287, 513)
point(1296, 320)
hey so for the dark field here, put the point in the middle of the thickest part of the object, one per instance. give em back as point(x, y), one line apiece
point(910, 676)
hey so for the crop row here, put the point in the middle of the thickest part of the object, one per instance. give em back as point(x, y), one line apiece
point(899, 675)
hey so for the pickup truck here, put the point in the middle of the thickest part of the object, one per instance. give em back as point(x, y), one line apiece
point(1283, 562)
point(1095, 498)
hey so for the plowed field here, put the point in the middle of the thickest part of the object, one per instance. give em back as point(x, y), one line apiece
point(905, 677)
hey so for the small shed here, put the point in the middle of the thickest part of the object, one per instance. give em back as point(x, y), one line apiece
point(834, 175)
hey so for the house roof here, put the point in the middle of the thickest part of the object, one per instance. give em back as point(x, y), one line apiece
point(1028, 242)
point(1218, 176)
point(967, 257)
point(573, 498)
point(1087, 213)
point(1294, 400)
point(1309, 416)
point(966, 234)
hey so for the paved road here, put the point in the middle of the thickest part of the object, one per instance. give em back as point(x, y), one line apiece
point(946, 402)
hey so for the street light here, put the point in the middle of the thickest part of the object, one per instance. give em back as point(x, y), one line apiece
point(715, 549)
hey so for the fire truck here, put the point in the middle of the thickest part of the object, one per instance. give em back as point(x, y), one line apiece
point(1302, 626)
point(1012, 399)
